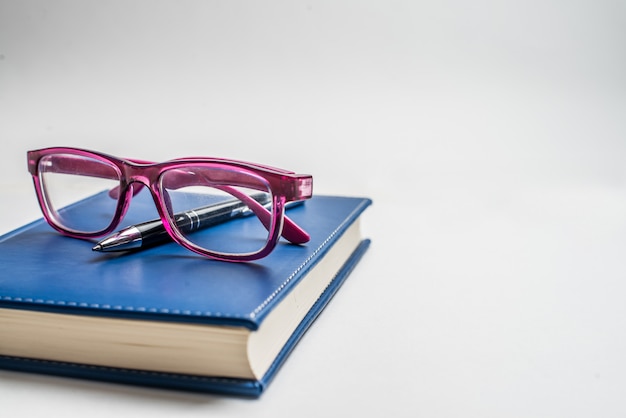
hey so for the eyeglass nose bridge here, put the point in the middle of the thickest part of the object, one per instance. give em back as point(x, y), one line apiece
point(139, 173)
point(135, 178)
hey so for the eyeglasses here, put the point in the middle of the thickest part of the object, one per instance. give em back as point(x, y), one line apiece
point(85, 194)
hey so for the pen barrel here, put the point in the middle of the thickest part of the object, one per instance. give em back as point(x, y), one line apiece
point(157, 235)
point(193, 220)
point(153, 233)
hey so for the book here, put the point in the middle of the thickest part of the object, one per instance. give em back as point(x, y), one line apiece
point(164, 316)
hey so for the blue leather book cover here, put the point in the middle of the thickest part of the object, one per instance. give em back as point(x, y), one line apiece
point(44, 271)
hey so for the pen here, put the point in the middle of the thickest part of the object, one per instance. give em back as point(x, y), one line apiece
point(151, 233)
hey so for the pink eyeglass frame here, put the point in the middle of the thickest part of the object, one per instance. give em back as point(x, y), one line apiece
point(285, 186)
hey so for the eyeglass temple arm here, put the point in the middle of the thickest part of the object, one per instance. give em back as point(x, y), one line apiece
point(291, 231)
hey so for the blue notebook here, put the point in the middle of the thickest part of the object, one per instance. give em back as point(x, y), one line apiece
point(167, 317)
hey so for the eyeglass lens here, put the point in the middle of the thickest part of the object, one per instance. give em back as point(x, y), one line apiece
point(211, 208)
point(68, 179)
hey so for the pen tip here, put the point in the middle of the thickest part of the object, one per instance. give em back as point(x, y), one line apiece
point(98, 247)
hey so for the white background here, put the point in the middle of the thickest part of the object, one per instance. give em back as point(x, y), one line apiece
point(490, 134)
